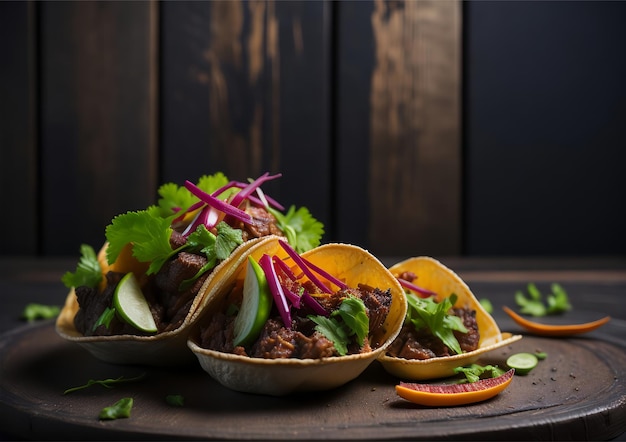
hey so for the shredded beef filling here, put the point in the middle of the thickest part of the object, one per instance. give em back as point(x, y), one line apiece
point(169, 304)
point(300, 341)
point(422, 344)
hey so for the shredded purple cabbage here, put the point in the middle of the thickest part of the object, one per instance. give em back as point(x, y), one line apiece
point(424, 293)
point(298, 260)
point(277, 291)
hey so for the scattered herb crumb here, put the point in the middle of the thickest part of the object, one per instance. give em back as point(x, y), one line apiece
point(475, 372)
point(486, 303)
point(34, 311)
point(175, 400)
point(107, 383)
point(556, 302)
point(121, 409)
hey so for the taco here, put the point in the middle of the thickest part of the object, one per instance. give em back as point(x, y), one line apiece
point(134, 301)
point(332, 311)
point(445, 327)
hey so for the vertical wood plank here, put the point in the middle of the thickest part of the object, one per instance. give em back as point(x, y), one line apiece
point(18, 128)
point(414, 153)
point(245, 90)
point(99, 146)
point(551, 120)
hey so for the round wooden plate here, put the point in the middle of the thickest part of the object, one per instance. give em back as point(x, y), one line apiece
point(578, 392)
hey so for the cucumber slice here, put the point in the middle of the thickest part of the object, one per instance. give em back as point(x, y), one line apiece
point(131, 304)
point(255, 306)
point(523, 363)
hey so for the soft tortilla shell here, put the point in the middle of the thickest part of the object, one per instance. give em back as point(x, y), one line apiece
point(278, 377)
point(163, 349)
point(433, 275)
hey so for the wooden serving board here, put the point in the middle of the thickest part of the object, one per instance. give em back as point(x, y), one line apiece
point(578, 392)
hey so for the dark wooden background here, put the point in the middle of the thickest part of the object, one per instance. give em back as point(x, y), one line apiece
point(407, 127)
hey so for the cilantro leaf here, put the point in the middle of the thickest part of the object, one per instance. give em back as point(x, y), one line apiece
point(426, 312)
point(474, 372)
point(216, 248)
point(88, 271)
point(303, 231)
point(175, 198)
point(557, 301)
point(228, 239)
point(529, 306)
point(348, 320)
point(211, 183)
point(34, 311)
point(120, 409)
point(335, 330)
point(352, 311)
point(148, 233)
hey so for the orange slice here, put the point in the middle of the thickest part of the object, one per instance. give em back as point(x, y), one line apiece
point(449, 395)
point(555, 330)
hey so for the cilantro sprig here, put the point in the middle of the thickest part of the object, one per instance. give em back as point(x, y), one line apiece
point(34, 311)
point(176, 199)
point(88, 271)
point(428, 313)
point(302, 230)
point(556, 302)
point(348, 320)
point(474, 372)
point(120, 409)
point(106, 383)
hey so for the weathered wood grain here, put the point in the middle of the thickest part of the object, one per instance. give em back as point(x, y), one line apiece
point(410, 76)
point(245, 90)
point(18, 128)
point(98, 110)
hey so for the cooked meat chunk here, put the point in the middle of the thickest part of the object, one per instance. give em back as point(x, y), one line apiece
point(264, 224)
point(302, 340)
point(93, 304)
point(422, 344)
point(168, 303)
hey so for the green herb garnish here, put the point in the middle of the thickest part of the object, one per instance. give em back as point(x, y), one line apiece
point(557, 301)
point(107, 383)
point(302, 230)
point(352, 320)
point(121, 409)
point(215, 248)
point(34, 311)
point(486, 305)
point(177, 199)
point(149, 234)
point(175, 400)
point(105, 318)
point(475, 372)
point(426, 312)
point(88, 271)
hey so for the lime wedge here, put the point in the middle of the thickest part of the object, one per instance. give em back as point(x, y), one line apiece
point(131, 305)
point(255, 306)
point(523, 363)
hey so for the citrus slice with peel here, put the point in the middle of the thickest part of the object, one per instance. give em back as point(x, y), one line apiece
point(523, 363)
point(255, 306)
point(555, 330)
point(131, 304)
point(447, 395)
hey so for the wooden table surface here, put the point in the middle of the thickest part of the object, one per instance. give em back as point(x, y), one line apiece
point(578, 392)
